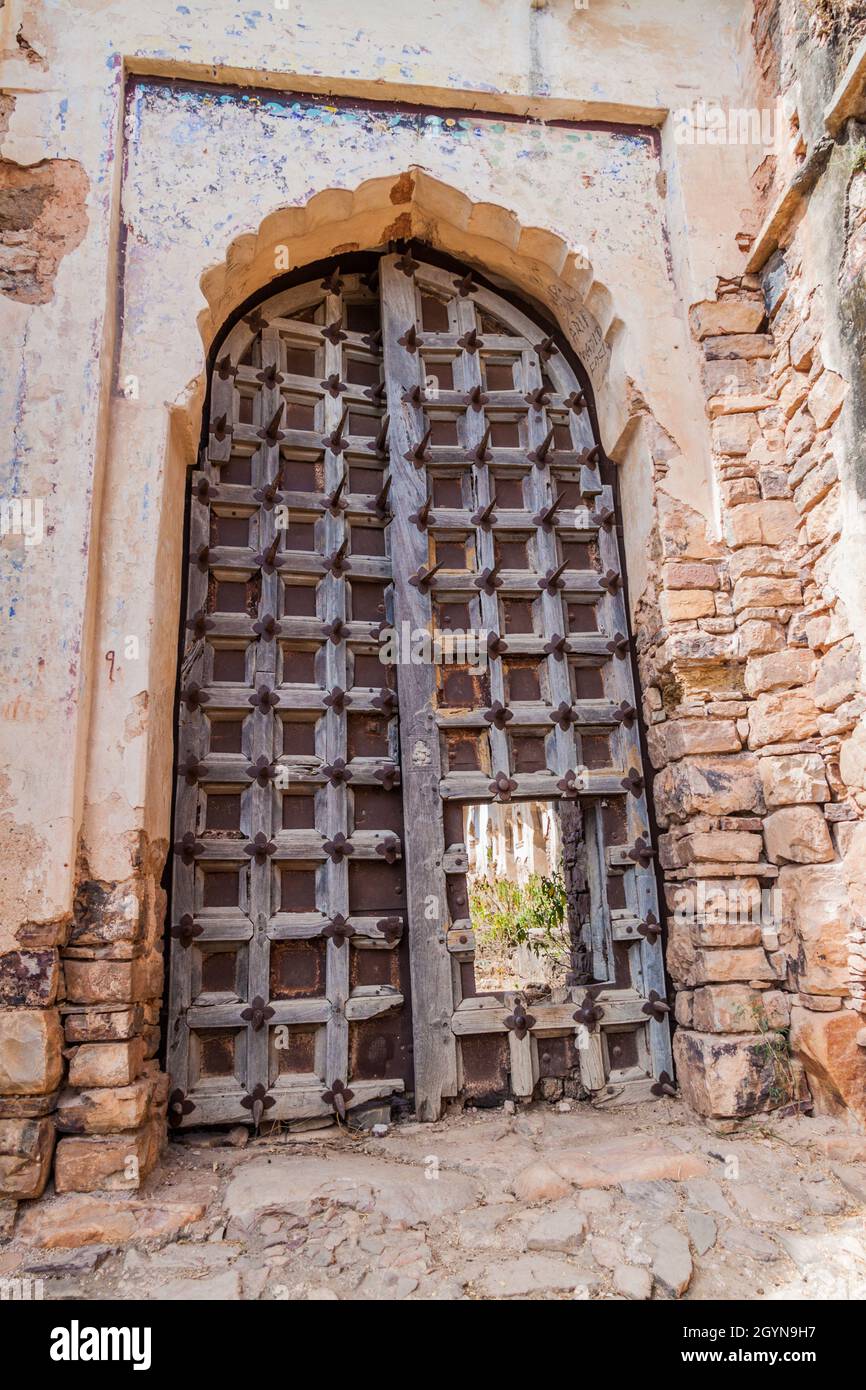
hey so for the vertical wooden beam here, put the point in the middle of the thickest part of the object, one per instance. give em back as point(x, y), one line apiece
point(432, 991)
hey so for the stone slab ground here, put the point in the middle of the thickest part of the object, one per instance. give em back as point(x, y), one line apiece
point(542, 1203)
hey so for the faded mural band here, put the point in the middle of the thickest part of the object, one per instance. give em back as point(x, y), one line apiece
point(399, 451)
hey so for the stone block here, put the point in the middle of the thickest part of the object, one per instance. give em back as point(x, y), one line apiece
point(105, 1109)
point(766, 592)
point(816, 921)
point(109, 1163)
point(26, 1147)
point(799, 835)
point(737, 1008)
point(827, 1046)
point(757, 637)
point(836, 678)
point(778, 671)
point(732, 1075)
point(761, 523)
point(29, 979)
point(676, 738)
point(689, 574)
point(106, 1064)
point(684, 605)
point(31, 1059)
point(708, 786)
point(114, 981)
point(103, 1025)
point(782, 718)
point(732, 963)
point(712, 317)
point(826, 398)
point(792, 778)
point(78, 1219)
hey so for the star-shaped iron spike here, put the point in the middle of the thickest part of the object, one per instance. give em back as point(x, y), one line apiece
point(179, 1105)
point(333, 283)
point(603, 517)
point(664, 1086)
point(202, 559)
point(256, 321)
point(337, 772)
point(619, 645)
point(386, 701)
point(656, 1007)
point(339, 1098)
point(262, 771)
point(407, 264)
point(539, 456)
point(496, 645)
point(421, 518)
point(610, 581)
point(563, 716)
point(470, 342)
point(225, 370)
point(192, 770)
point(466, 286)
point(189, 848)
point(556, 647)
point(186, 930)
point(413, 395)
point(199, 623)
point(335, 631)
point(334, 333)
point(389, 849)
point(519, 1021)
point(485, 517)
point(420, 580)
point(552, 581)
point(257, 1102)
point(625, 714)
point(590, 1010)
point(272, 434)
point(270, 377)
point(257, 1014)
point(338, 930)
point(419, 454)
point(391, 928)
point(267, 559)
point(338, 848)
point(502, 786)
point(337, 699)
point(650, 928)
point(538, 398)
point(498, 715)
point(336, 563)
point(219, 429)
point(476, 399)
point(633, 782)
point(193, 696)
point(333, 385)
point(410, 340)
point(267, 627)
point(568, 785)
point(205, 491)
point(264, 699)
point(576, 402)
point(261, 848)
point(387, 775)
point(546, 348)
point(488, 581)
point(641, 853)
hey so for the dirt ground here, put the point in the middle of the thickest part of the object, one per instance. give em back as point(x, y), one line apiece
point(543, 1203)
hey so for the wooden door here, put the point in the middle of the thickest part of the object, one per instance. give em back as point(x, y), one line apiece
point(365, 433)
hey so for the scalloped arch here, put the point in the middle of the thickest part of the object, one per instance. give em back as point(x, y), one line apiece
point(535, 261)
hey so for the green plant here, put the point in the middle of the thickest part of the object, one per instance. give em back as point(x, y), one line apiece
point(776, 1052)
point(511, 914)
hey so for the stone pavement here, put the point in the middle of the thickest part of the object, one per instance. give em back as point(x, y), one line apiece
point(546, 1202)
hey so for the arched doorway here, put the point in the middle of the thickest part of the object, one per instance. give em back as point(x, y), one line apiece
point(405, 602)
